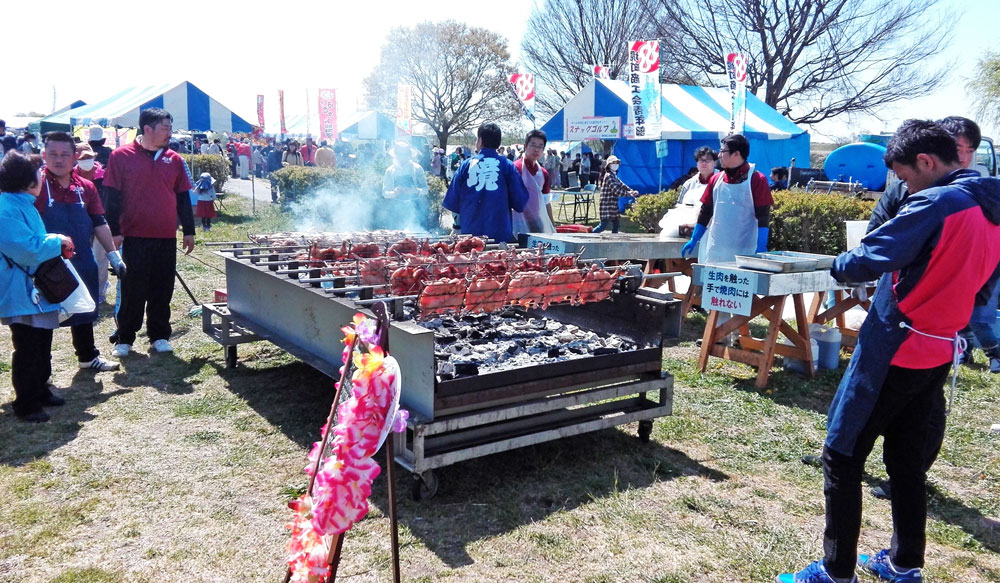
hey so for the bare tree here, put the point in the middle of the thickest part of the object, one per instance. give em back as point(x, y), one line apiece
point(459, 76)
point(813, 59)
point(563, 37)
point(985, 86)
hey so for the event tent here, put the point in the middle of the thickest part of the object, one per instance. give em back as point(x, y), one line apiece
point(192, 108)
point(369, 125)
point(692, 117)
point(45, 126)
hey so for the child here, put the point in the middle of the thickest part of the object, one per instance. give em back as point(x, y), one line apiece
point(206, 200)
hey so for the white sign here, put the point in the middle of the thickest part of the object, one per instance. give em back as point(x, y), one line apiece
point(662, 149)
point(736, 67)
point(727, 290)
point(594, 128)
point(643, 78)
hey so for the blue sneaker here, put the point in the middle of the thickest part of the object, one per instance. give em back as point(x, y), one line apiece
point(881, 566)
point(814, 573)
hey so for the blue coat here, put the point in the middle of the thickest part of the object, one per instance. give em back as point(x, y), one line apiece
point(23, 239)
point(483, 192)
point(942, 246)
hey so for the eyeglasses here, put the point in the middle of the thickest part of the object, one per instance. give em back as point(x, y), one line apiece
point(725, 151)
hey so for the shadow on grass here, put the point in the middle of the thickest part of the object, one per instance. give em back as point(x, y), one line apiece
point(22, 442)
point(984, 529)
point(164, 372)
point(481, 498)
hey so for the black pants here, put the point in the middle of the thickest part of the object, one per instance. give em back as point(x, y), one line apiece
point(909, 408)
point(83, 342)
point(30, 367)
point(148, 288)
point(274, 187)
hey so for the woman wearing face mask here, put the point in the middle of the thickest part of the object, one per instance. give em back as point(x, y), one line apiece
point(292, 156)
point(89, 168)
point(610, 188)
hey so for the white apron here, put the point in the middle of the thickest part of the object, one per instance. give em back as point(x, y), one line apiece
point(733, 228)
point(535, 218)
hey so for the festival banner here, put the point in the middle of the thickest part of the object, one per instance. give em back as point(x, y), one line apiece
point(327, 115)
point(281, 111)
point(523, 85)
point(736, 67)
point(643, 78)
point(602, 72)
point(594, 128)
point(404, 111)
point(260, 112)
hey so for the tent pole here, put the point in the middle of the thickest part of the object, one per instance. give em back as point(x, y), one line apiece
point(660, 187)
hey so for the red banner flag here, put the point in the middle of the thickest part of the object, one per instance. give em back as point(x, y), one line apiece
point(281, 111)
point(328, 115)
point(260, 112)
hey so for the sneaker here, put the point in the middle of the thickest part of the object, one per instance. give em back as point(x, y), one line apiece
point(122, 350)
point(812, 460)
point(162, 345)
point(814, 573)
point(883, 491)
point(54, 400)
point(995, 428)
point(881, 566)
point(101, 365)
point(995, 365)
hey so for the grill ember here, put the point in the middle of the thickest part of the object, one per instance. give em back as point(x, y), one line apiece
point(509, 339)
point(458, 276)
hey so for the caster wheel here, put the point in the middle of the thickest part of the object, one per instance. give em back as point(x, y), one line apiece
point(645, 430)
point(230, 357)
point(425, 486)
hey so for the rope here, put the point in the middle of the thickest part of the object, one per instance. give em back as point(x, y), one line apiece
point(959, 345)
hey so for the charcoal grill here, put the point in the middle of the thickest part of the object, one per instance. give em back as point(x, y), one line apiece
point(456, 419)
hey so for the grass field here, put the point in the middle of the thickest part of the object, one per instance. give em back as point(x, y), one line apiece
point(176, 469)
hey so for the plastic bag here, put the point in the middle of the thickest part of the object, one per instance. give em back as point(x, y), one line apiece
point(677, 216)
point(78, 302)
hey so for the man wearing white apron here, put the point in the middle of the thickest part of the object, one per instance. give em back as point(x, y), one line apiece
point(735, 210)
point(537, 214)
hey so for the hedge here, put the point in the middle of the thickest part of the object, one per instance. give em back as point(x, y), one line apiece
point(214, 164)
point(800, 221)
point(297, 182)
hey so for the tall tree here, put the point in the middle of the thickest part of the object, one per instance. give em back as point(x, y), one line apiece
point(459, 76)
point(813, 59)
point(985, 86)
point(565, 37)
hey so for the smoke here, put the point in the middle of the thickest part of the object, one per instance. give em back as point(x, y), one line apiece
point(342, 211)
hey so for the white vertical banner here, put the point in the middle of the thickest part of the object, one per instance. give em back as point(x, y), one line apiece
point(736, 67)
point(643, 78)
point(601, 72)
point(404, 108)
point(523, 85)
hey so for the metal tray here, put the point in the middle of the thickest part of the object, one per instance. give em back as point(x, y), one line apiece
point(822, 261)
point(775, 264)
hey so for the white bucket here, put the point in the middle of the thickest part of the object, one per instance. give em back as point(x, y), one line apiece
point(855, 232)
point(829, 345)
point(796, 365)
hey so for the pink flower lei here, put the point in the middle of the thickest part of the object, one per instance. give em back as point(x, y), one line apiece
point(343, 483)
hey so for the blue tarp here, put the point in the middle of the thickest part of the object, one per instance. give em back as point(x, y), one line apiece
point(693, 117)
point(192, 108)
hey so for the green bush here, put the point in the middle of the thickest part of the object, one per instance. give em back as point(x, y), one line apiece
point(295, 182)
point(216, 165)
point(814, 223)
point(648, 209)
point(436, 189)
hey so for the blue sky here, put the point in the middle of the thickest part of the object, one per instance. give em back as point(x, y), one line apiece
point(236, 50)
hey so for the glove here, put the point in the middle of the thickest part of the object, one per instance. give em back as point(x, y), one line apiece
point(762, 233)
point(117, 265)
point(689, 247)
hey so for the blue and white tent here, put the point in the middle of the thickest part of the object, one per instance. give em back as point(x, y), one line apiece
point(692, 117)
point(191, 107)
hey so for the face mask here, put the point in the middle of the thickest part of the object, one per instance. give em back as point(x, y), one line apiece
point(614, 167)
point(86, 165)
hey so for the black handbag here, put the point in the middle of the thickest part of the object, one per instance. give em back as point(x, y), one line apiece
point(51, 278)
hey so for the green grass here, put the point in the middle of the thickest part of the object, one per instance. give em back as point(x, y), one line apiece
point(179, 469)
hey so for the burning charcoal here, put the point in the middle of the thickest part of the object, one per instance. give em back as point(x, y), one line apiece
point(605, 350)
point(475, 334)
point(552, 326)
point(537, 323)
point(565, 337)
point(445, 369)
point(555, 352)
point(445, 338)
point(442, 356)
point(466, 369)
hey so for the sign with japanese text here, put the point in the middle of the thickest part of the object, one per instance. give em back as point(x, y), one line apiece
point(602, 72)
point(643, 78)
point(260, 112)
point(404, 112)
point(662, 148)
point(327, 114)
point(736, 67)
point(523, 85)
point(728, 290)
point(281, 110)
point(594, 128)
